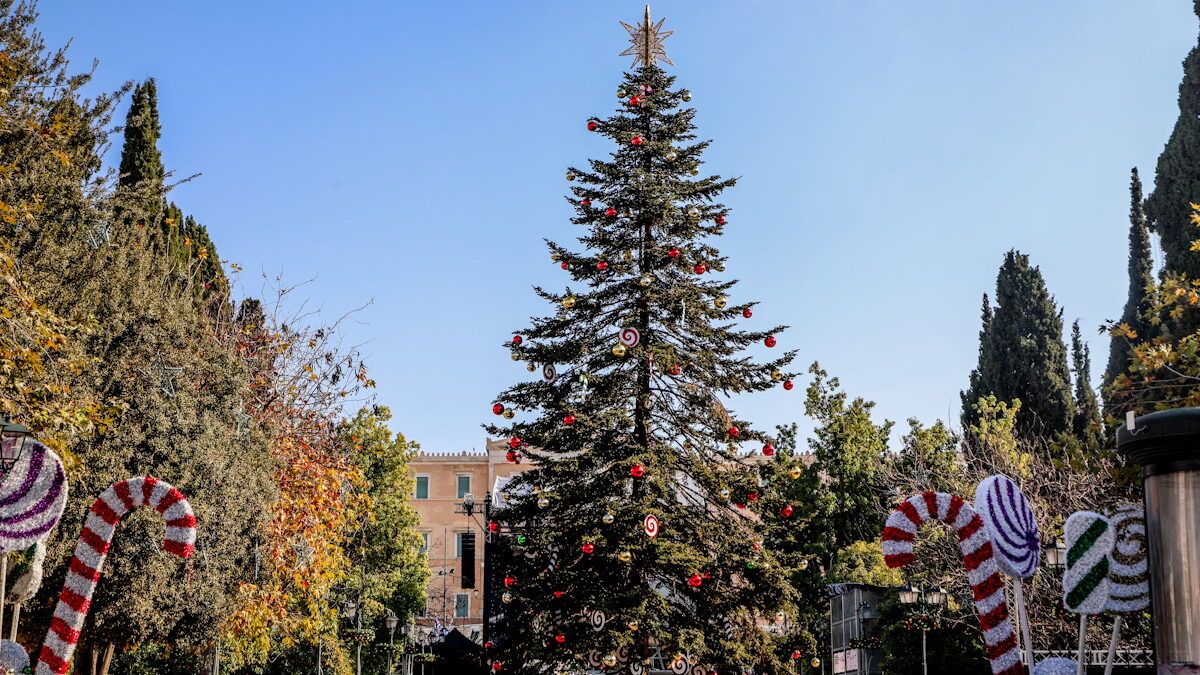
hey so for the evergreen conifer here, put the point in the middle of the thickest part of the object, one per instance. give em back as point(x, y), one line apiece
point(1141, 276)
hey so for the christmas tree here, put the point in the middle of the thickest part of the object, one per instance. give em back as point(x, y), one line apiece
point(635, 536)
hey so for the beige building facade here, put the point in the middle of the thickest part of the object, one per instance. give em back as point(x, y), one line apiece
point(443, 482)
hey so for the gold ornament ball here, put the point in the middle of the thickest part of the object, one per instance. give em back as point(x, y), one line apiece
point(554, 257)
point(537, 489)
point(687, 96)
point(505, 496)
point(777, 376)
point(570, 176)
point(515, 356)
point(568, 301)
point(506, 598)
point(646, 281)
point(671, 156)
point(720, 303)
point(779, 616)
point(815, 663)
point(608, 519)
point(543, 502)
point(693, 212)
point(531, 367)
point(802, 565)
point(633, 626)
point(627, 256)
point(724, 493)
point(619, 350)
point(695, 171)
point(509, 414)
point(610, 660)
point(795, 472)
point(624, 556)
point(620, 93)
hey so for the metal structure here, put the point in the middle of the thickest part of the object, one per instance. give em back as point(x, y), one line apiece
point(923, 598)
point(1167, 446)
point(1097, 657)
point(852, 617)
point(647, 39)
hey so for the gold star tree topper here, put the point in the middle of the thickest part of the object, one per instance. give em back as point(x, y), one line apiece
point(647, 39)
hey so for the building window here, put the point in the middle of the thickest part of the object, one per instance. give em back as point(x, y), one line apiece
point(458, 537)
point(424, 543)
point(462, 605)
point(422, 487)
point(464, 486)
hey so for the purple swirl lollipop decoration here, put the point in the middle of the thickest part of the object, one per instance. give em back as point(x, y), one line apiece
point(1010, 522)
point(33, 495)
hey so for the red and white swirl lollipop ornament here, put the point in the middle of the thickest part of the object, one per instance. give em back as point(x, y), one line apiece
point(650, 525)
point(975, 546)
point(630, 337)
point(1016, 542)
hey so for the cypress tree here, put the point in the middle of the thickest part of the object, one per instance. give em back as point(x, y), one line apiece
point(1021, 353)
point(1177, 184)
point(1086, 423)
point(1141, 275)
point(141, 162)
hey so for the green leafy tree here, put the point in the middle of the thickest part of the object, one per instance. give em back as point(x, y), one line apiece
point(1141, 280)
point(929, 460)
point(1021, 353)
point(1087, 423)
point(389, 572)
point(641, 430)
point(1176, 185)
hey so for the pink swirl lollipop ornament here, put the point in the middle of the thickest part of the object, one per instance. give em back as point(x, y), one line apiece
point(1016, 541)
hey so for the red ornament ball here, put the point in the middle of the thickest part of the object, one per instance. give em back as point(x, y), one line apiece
point(510, 582)
point(770, 341)
point(637, 471)
point(564, 265)
point(593, 125)
point(740, 506)
point(637, 140)
point(674, 370)
point(610, 212)
point(585, 202)
point(511, 456)
point(674, 253)
point(787, 511)
point(788, 385)
point(569, 419)
point(560, 638)
point(559, 594)
point(493, 526)
point(734, 431)
point(699, 269)
point(496, 665)
point(514, 442)
point(498, 409)
point(635, 100)
point(796, 655)
point(695, 580)
point(720, 220)
point(516, 341)
point(489, 644)
point(748, 313)
point(602, 266)
point(589, 548)
point(768, 449)
point(753, 496)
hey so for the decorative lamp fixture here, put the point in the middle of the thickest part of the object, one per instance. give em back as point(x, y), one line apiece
point(391, 620)
point(1056, 554)
point(909, 594)
point(935, 595)
point(12, 442)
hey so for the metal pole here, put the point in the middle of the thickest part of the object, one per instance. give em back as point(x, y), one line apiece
point(358, 626)
point(924, 662)
point(391, 646)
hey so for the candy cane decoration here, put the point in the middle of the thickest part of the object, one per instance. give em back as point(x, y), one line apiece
point(991, 607)
point(88, 561)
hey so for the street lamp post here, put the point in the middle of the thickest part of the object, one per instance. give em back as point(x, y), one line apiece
point(915, 595)
point(352, 609)
point(391, 622)
point(13, 439)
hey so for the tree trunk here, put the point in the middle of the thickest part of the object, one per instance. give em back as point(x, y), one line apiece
point(95, 653)
point(108, 654)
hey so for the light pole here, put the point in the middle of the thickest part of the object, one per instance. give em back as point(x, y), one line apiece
point(390, 621)
point(914, 595)
point(352, 609)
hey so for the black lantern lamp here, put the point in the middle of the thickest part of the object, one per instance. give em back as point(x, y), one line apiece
point(13, 438)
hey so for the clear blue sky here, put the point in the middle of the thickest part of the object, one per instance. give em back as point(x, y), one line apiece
point(890, 153)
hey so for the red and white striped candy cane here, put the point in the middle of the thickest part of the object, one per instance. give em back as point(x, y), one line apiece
point(991, 606)
point(98, 528)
